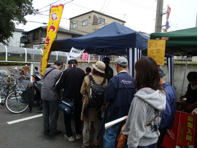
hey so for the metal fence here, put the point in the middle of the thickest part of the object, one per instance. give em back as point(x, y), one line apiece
point(28, 55)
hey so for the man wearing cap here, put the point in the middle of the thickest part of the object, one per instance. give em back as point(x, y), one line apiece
point(71, 80)
point(108, 69)
point(169, 113)
point(119, 94)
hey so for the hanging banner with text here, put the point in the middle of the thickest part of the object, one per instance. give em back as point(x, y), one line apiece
point(74, 53)
point(54, 20)
point(156, 50)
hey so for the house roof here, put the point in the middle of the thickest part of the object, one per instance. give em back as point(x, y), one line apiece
point(60, 29)
point(18, 30)
point(98, 13)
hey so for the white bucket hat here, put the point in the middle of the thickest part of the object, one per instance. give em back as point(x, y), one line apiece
point(99, 66)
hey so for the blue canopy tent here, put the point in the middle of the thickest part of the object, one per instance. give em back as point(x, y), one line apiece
point(113, 39)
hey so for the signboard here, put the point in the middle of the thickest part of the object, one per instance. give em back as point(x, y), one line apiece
point(184, 131)
point(74, 53)
point(84, 56)
point(54, 20)
point(156, 50)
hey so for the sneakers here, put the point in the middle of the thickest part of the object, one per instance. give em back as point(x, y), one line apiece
point(71, 139)
point(78, 136)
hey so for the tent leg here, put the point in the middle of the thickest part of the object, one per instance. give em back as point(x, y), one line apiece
point(130, 61)
point(31, 72)
point(184, 75)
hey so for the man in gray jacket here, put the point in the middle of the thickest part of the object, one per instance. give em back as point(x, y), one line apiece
point(51, 96)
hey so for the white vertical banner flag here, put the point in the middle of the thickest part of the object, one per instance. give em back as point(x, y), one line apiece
point(74, 53)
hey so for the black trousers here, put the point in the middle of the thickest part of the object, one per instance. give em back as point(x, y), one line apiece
point(161, 137)
point(50, 115)
point(77, 118)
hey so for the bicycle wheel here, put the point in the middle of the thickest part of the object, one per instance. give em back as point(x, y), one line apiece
point(15, 102)
point(2, 99)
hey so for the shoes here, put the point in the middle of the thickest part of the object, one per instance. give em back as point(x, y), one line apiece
point(84, 146)
point(56, 133)
point(78, 136)
point(95, 144)
point(71, 139)
point(46, 132)
point(40, 110)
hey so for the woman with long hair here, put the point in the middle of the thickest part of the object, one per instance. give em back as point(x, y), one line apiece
point(142, 125)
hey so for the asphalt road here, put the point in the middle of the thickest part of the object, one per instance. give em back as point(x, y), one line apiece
point(29, 133)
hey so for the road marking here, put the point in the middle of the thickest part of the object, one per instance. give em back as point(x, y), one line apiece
point(25, 119)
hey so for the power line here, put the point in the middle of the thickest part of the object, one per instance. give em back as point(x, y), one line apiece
point(102, 6)
point(80, 6)
point(53, 3)
point(48, 5)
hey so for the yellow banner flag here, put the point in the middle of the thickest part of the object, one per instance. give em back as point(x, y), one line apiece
point(156, 50)
point(54, 20)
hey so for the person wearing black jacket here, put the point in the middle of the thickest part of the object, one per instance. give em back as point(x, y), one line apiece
point(71, 81)
point(108, 69)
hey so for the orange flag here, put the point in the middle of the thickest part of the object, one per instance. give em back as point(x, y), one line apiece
point(54, 20)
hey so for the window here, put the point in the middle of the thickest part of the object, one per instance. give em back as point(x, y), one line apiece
point(84, 23)
point(35, 35)
point(97, 20)
point(74, 25)
point(101, 20)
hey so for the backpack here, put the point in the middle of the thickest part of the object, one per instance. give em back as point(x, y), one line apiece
point(96, 98)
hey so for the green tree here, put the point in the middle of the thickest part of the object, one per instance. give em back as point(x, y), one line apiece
point(10, 11)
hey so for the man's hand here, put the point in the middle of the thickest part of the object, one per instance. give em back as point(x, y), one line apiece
point(170, 134)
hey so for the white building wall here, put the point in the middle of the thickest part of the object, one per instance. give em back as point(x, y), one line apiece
point(15, 40)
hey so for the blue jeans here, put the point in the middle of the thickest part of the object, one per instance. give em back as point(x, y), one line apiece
point(110, 136)
point(149, 146)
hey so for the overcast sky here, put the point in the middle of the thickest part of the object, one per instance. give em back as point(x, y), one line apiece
point(138, 14)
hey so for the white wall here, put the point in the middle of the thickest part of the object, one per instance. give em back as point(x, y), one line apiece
point(15, 40)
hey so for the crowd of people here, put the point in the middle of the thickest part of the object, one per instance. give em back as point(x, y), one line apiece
point(99, 97)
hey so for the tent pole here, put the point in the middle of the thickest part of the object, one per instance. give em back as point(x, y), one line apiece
point(184, 76)
point(88, 58)
point(169, 70)
point(130, 61)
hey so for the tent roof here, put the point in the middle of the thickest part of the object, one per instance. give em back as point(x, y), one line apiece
point(112, 39)
point(180, 42)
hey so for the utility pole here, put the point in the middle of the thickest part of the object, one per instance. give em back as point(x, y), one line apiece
point(158, 21)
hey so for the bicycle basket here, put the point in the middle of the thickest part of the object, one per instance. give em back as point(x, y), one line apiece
point(22, 85)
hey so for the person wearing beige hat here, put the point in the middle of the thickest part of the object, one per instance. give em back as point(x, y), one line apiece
point(90, 114)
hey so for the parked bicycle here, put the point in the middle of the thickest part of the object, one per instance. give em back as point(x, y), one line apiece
point(14, 92)
point(18, 93)
point(17, 101)
point(6, 84)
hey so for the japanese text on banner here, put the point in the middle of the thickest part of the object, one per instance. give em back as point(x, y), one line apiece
point(74, 53)
point(156, 50)
point(54, 20)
